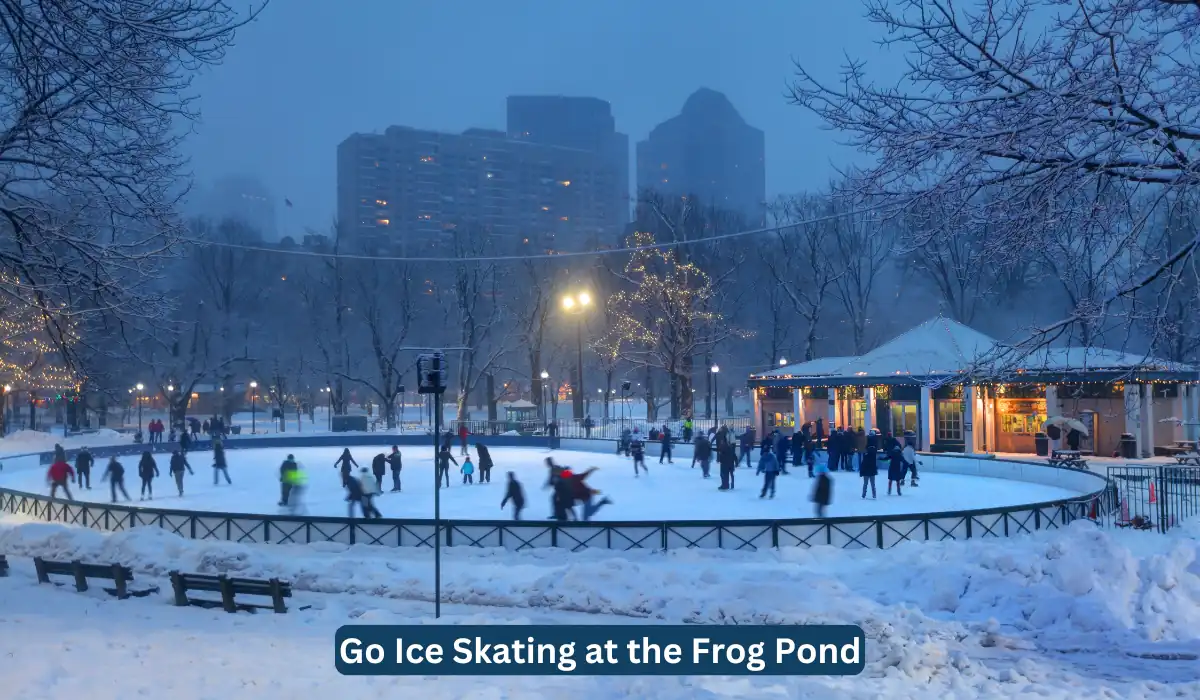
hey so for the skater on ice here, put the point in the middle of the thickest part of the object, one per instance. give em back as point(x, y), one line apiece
point(295, 488)
point(59, 474)
point(870, 465)
point(768, 466)
point(485, 463)
point(747, 443)
point(910, 463)
point(727, 460)
point(444, 459)
point(288, 466)
point(468, 470)
point(514, 494)
point(463, 433)
point(220, 466)
point(83, 469)
point(379, 469)
point(666, 446)
point(397, 464)
point(344, 463)
point(702, 453)
point(369, 490)
point(177, 466)
point(637, 449)
point(822, 493)
point(114, 473)
point(147, 470)
point(895, 469)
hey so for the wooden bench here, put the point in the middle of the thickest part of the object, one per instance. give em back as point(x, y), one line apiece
point(1188, 458)
point(228, 587)
point(121, 576)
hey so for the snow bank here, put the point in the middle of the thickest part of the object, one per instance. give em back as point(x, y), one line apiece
point(1075, 613)
point(26, 441)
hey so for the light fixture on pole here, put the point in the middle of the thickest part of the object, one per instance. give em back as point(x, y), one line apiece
point(716, 411)
point(329, 390)
point(782, 361)
point(4, 410)
point(577, 304)
point(253, 406)
point(545, 392)
point(139, 388)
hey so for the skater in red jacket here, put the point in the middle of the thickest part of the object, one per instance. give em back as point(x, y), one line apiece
point(57, 475)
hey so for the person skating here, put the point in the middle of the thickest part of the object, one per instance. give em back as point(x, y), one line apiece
point(288, 466)
point(727, 459)
point(178, 465)
point(295, 480)
point(588, 424)
point(185, 441)
point(444, 459)
point(467, 469)
point(220, 466)
point(514, 493)
point(344, 462)
point(870, 466)
point(584, 494)
point(354, 496)
point(822, 490)
point(83, 469)
point(462, 439)
point(781, 450)
point(447, 439)
point(910, 463)
point(379, 468)
point(59, 474)
point(768, 466)
point(624, 442)
point(397, 464)
point(147, 470)
point(666, 446)
point(485, 463)
point(369, 487)
point(563, 500)
point(747, 442)
point(820, 426)
point(895, 469)
point(831, 452)
point(798, 440)
point(702, 452)
point(115, 474)
point(637, 449)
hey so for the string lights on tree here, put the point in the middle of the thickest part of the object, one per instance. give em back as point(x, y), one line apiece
point(29, 359)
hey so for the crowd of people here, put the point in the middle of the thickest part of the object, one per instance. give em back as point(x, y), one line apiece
point(853, 450)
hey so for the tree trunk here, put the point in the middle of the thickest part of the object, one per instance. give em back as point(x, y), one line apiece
point(491, 398)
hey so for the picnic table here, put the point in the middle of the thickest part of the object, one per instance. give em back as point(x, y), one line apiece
point(1192, 457)
point(1071, 459)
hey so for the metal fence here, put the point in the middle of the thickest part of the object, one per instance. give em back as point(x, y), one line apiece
point(879, 532)
point(609, 429)
point(1150, 497)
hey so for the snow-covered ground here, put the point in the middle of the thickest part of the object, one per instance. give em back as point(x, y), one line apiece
point(1079, 613)
point(670, 491)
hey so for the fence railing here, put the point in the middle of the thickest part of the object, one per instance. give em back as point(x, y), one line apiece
point(610, 429)
point(1158, 497)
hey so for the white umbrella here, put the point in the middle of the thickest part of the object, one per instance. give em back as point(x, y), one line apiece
point(1056, 420)
point(1074, 424)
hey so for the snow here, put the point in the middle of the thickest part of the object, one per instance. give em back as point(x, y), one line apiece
point(1058, 615)
point(28, 441)
point(668, 492)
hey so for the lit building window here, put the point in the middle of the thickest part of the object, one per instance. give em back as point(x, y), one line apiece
point(489, 176)
point(563, 218)
point(381, 202)
point(565, 183)
point(426, 217)
point(383, 222)
point(545, 208)
point(666, 179)
point(525, 240)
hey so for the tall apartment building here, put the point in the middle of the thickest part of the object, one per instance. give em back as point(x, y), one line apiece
point(584, 123)
point(707, 151)
point(408, 190)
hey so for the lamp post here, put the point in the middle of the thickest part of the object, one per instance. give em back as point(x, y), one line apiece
point(783, 362)
point(4, 410)
point(170, 405)
point(139, 388)
point(576, 304)
point(545, 377)
point(329, 390)
point(716, 410)
point(253, 406)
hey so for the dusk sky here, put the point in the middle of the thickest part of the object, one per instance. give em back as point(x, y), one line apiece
point(310, 72)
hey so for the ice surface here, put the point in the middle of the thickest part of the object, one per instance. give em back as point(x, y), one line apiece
point(668, 492)
point(1077, 613)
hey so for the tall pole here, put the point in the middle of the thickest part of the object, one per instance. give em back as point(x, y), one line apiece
point(437, 509)
point(253, 407)
point(579, 368)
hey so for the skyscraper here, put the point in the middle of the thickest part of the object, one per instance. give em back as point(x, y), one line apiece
point(408, 189)
point(707, 151)
point(584, 123)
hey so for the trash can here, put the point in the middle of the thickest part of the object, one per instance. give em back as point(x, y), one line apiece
point(1128, 446)
point(1041, 444)
point(910, 439)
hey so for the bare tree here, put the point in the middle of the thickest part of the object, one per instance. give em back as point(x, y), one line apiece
point(484, 327)
point(798, 260)
point(92, 97)
point(1108, 91)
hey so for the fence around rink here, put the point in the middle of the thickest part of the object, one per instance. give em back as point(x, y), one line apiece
point(866, 532)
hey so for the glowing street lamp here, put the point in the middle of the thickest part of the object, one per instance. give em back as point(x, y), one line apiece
point(577, 304)
point(782, 361)
point(545, 392)
point(253, 406)
point(140, 387)
point(4, 409)
point(715, 369)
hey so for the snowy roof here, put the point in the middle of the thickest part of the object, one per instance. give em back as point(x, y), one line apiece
point(521, 403)
point(943, 347)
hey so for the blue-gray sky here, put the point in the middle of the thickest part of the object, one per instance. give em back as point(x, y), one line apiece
point(310, 72)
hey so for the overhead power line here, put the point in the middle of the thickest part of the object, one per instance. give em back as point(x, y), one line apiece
point(517, 258)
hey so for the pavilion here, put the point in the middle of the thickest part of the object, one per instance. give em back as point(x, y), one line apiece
point(958, 391)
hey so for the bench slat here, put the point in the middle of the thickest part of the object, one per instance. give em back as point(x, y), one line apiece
point(229, 588)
